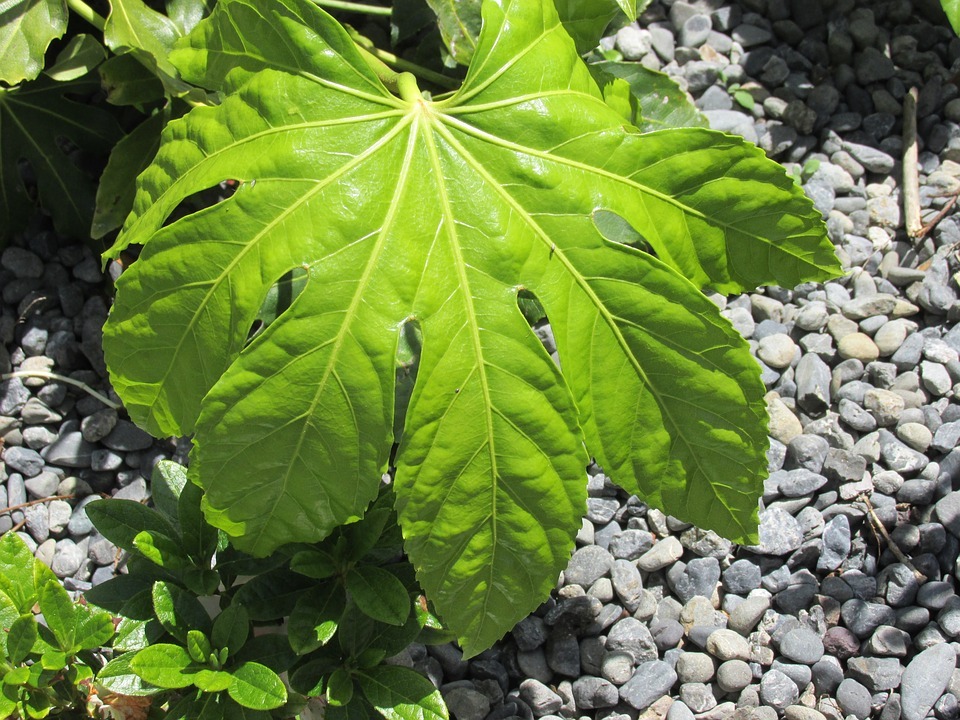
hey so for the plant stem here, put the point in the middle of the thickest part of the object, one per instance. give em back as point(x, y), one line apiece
point(87, 13)
point(418, 70)
point(13, 508)
point(62, 378)
point(354, 7)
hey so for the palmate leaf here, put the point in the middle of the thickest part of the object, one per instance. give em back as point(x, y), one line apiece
point(952, 10)
point(402, 209)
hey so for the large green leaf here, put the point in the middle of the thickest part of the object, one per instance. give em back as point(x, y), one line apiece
point(26, 29)
point(459, 23)
point(35, 118)
point(402, 208)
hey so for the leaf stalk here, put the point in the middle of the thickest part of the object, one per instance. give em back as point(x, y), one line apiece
point(62, 378)
point(87, 13)
point(354, 7)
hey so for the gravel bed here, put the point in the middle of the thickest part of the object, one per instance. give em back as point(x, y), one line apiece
point(848, 607)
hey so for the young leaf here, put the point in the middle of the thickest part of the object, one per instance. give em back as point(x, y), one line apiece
point(21, 638)
point(314, 620)
point(231, 628)
point(132, 25)
point(379, 594)
point(646, 98)
point(27, 28)
point(164, 665)
point(35, 117)
point(17, 573)
point(167, 482)
point(399, 693)
point(257, 687)
point(120, 521)
point(161, 550)
point(81, 55)
point(60, 615)
point(212, 681)
point(484, 193)
point(94, 629)
point(178, 611)
point(199, 647)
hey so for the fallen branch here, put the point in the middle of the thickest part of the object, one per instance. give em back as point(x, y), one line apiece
point(894, 548)
point(925, 230)
point(21, 506)
point(911, 174)
point(62, 378)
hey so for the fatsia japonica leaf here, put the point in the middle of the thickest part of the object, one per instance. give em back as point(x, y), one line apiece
point(403, 209)
point(27, 27)
point(952, 10)
point(37, 117)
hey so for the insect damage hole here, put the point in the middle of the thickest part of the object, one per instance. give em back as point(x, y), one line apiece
point(616, 229)
point(279, 298)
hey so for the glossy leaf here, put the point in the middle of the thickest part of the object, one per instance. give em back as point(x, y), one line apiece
point(314, 563)
point(315, 619)
point(272, 650)
point(164, 665)
point(8, 614)
point(198, 646)
point(212, 680)
point(81, 55)
point(399, 693)
point(35, 117)
point(379, 594)
point(17, 573)
point(339, 688)
point(60, 615)
point(646, 98)
point(27, 27)
point(120, 521)
point(118, 677)
point(273, 594)
point(94, 628)
point(586, 20)
point(178, 611)
point(231, 628)
point(256, 686)
point(483, 194)
point(161, 550)
point(21, 638)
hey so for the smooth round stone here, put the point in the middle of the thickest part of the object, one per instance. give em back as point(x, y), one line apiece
point(840, 642)
point(777, 351)
point(915, 435)
point(734, 675)
point(728, 645)
point(617, 667)
point(590, 693)
point(854, 699)
point(885, 406)
point(858, 346)
point(588, 565)
point(694, 667)
point(67, 559)
point(890, 337)
point(800, 712)
point(802, 645)
point(698, 697)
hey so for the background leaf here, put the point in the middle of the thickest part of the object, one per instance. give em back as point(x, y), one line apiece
point(315, 618)
point(952, 9)
point(35, 116)
point(81, 55)
point(646, 98)
point(26, 29)
point(21, 637)
point(379, 594)
point(459, 22)
point(120, 521)
point(179, 611)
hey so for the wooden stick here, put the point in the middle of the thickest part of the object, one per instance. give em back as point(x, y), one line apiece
point(911, 174)
point(21, 506)
point(898, 553)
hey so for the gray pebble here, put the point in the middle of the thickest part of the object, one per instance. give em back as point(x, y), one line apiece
point(876, 674)
point(651, 681)
point(591, 693)
point(924, 680)
point(802, 645)
point(777, 690)
point(22, 460)
point(854, 699)
point(588, 565)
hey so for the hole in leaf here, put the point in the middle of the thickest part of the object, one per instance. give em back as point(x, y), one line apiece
point(408, 364)
point(279, 298)
point(533, 312)
point(616, 229)
point(203, 199)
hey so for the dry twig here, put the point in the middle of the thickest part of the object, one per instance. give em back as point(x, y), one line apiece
point(894, 548)
point(911, 174)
